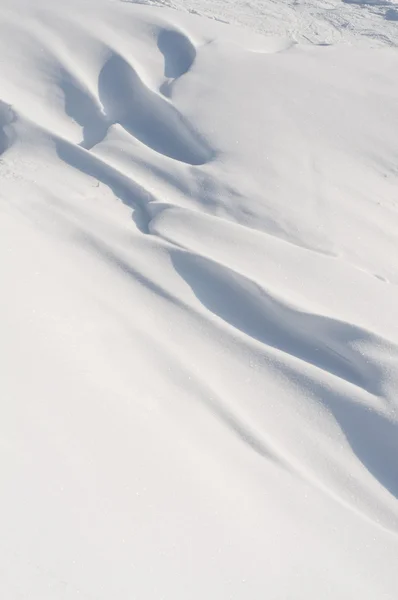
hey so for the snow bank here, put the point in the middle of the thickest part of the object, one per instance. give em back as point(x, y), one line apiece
point(199, 309)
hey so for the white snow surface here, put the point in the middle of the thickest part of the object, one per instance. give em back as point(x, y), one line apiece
point(199, 301)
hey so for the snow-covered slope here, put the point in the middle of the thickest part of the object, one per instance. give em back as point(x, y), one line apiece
point(363, 22)
point(199, 305)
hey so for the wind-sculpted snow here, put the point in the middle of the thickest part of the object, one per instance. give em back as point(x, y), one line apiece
point(199, 306)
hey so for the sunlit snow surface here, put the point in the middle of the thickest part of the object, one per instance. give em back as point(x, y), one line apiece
point(199, 300)
point(359, 22)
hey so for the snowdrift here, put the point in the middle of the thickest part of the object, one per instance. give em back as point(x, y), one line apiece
point(199, 309)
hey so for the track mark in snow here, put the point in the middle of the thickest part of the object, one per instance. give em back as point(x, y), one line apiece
point(148, 116)
point(7, 116)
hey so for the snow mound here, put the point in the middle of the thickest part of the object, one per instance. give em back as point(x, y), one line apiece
point(199, 307)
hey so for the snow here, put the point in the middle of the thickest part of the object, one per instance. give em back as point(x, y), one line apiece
point(358, 22)
point(199, 301)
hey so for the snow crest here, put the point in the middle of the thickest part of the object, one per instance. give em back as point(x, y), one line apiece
point(199, 307)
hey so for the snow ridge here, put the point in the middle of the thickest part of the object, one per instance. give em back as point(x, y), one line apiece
point(199, 308)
